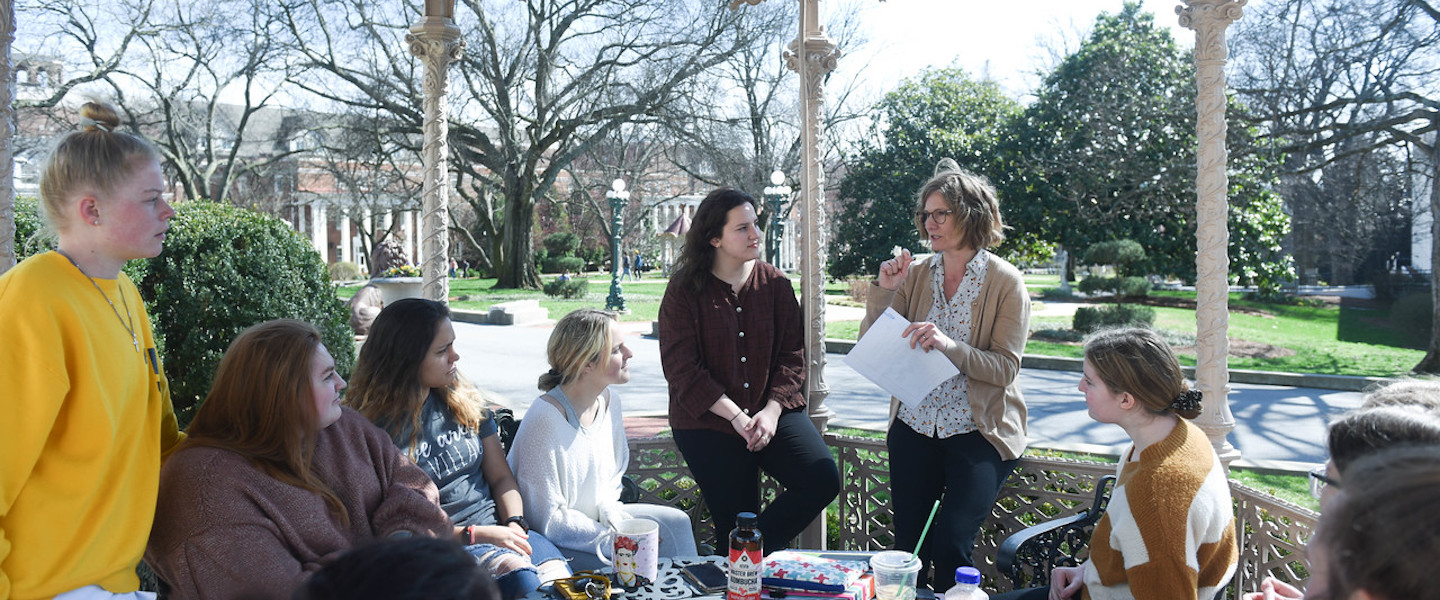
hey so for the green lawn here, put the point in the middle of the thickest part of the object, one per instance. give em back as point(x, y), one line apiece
point(642, 298)
point(1323, 339)
point(1332, 340)
point(1343, 340)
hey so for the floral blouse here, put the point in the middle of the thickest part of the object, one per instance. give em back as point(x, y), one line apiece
point(946, 411)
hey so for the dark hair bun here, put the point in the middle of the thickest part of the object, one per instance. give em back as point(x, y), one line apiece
point(1187, 404)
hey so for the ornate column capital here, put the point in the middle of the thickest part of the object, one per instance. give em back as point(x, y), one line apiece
point(1209, 19)
point(821, 54)
point(436, 37)
point(821, 57)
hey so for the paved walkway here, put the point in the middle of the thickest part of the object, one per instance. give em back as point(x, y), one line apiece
point(1278, 427)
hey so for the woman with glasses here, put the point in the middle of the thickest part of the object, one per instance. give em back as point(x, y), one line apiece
point(961, 443)
point(1376, 540)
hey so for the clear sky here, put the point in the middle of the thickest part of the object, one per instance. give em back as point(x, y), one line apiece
point(1008, 39)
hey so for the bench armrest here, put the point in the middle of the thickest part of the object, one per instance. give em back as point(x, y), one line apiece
point(1055, 543)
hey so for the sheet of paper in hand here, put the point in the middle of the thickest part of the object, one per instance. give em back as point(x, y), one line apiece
point(886, 358)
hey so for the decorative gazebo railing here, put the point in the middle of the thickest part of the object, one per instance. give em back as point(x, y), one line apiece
point(1272, 532)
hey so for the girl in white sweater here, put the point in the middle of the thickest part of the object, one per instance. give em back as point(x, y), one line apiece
point(570, 455)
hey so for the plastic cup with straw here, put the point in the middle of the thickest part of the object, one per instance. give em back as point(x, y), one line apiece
point(897, 571)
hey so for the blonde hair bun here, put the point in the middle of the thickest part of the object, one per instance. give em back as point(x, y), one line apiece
point(95, 115)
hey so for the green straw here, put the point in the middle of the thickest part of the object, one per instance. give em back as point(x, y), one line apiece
point(926, 530)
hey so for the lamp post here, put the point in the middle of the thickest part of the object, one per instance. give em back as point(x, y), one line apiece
point(775, 196)
point(618, 199)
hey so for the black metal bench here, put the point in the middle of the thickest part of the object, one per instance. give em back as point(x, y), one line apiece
point(1028, 555)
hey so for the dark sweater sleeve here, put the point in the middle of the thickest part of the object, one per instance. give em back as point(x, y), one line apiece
point(410, 501)
point(692, 388)
point(252, 563)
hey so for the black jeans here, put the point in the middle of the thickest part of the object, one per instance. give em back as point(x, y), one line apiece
point(965, 473)
point(729, 477)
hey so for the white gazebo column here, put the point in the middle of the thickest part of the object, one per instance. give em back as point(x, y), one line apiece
point(812, 55)
point(436, 40)
point(1209, 19)
point(319, 236)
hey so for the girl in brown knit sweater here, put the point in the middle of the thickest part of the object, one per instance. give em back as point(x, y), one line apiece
point(277, 479)
point(1169, 531)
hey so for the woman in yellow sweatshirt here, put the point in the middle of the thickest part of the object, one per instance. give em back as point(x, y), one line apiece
point(86, 405)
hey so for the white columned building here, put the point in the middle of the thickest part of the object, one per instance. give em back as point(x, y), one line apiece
point(664, 215)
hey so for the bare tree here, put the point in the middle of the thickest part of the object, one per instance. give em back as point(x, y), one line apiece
point(740, 123)
point(1338, 79)
point(539, 84)
point(204, 86)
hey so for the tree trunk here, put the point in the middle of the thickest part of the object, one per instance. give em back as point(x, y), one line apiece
point(7, 138)
point(1431, 362)
point(515, 268)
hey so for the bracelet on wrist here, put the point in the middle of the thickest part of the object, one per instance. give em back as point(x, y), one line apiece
point(737, 415)
point(519, 520)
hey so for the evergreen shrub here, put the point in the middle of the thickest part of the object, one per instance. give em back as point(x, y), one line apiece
point(1089, 319)
point(563, 264)
point(31, 236)
point(224, 269)
point(344, 271)
point(1413, 314)
point(572, 288)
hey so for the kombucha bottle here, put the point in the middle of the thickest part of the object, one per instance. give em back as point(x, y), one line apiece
point(744, 567)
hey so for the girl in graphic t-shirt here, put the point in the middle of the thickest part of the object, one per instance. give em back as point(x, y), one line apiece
point(406, 381)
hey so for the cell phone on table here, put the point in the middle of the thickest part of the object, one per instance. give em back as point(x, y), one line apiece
point(706, 577)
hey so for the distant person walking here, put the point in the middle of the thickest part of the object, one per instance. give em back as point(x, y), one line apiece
point(626, 262)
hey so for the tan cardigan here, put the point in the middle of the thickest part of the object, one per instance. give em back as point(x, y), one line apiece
point(991, 357)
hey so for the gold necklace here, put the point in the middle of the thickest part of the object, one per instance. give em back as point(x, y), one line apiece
point(124, 321)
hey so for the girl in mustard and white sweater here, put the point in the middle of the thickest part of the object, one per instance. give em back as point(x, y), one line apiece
point(1169, 531)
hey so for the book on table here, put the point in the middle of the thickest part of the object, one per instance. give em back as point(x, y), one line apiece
point(861, 589)
point(789, 570)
